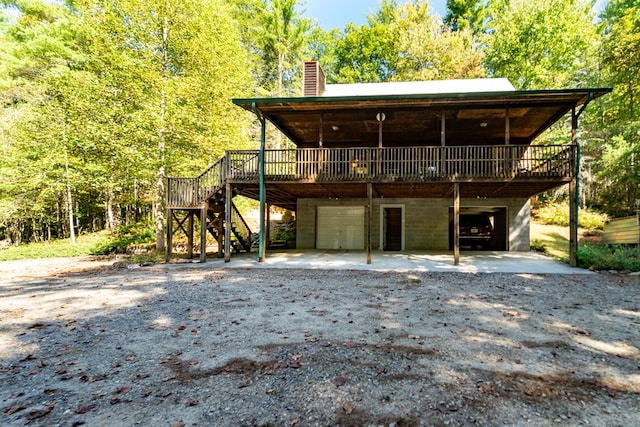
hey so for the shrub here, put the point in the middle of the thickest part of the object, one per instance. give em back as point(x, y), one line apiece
point(124, 238)
point(538, 246)
point(558, 214)
point(609, 257)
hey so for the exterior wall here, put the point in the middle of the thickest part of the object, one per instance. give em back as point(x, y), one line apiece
point(426, 225)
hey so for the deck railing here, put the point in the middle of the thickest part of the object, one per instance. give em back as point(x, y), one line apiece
point(402, 164)
point(406, 163)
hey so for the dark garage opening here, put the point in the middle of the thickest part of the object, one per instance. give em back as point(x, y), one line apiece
point(474, 236)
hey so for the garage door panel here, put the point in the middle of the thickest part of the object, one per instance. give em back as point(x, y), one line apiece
point(340, 227)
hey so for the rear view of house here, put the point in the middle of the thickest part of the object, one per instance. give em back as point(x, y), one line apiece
point(394, 166)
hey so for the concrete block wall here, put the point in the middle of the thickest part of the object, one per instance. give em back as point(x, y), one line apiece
point(426, 225)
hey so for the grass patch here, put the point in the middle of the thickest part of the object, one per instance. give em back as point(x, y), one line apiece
point(137, 241)
point(552, 240)
point(62, 248)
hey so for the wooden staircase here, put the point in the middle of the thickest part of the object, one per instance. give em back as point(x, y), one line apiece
point(208, 198)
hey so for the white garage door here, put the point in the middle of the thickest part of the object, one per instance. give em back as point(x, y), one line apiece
point(340, 227)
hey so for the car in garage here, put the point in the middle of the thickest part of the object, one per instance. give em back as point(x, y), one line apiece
point(476, 230)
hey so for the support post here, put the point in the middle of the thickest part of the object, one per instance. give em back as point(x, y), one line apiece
point(456, 223)
point(190, 228)
point(203, 233)
point(262, 249)
point(368, 219)
point(573, 223)
point(574, 196)
point(169, 249)
point(227, 223)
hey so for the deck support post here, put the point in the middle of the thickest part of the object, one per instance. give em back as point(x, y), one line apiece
point(169, 249)
point(574, 197)
point(203, 232)
point(368, 219)
point(574, 186)
point(456, 223)
point(262, 248)
point(190, 229)
point(227, 223)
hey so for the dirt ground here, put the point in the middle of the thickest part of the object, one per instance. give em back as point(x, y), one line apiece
point(84, 342)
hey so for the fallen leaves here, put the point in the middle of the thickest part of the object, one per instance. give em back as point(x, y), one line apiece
point(84, 409)
point(39, 412)
point(340, 380)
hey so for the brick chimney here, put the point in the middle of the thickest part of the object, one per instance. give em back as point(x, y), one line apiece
point(313, 79)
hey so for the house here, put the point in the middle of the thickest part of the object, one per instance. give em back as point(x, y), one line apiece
point(391, 166)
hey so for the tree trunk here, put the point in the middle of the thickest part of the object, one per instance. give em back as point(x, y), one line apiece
point(72, 231)
point(159, 205)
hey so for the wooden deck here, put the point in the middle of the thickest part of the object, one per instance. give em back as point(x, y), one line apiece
point(486, 171)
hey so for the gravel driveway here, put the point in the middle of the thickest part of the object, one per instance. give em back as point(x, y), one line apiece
point(85, 343)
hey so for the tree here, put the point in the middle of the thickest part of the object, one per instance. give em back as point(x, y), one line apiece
point(366, 54)
point(467, 15)
point(186, 62)
point(283, 39)
point(428, 50)
point(541, 44)
point(616, 153)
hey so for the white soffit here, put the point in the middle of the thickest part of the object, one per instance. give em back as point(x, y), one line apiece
point(419, 88)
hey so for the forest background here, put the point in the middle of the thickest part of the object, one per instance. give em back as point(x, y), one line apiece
point(100, 100)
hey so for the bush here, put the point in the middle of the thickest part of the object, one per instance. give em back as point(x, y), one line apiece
point(538, 245)
point(125, 238)
point(609, 257)
point(558, 214)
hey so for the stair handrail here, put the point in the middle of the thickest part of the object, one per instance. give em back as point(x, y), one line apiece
point(212, 179)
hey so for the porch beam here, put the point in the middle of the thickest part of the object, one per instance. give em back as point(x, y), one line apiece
point(507, 127)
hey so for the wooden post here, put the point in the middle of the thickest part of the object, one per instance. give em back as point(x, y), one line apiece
point(203, 233)
point(574, 196)
point(227, 223)
point(573, 223)
point(368, 219)
point(456, 223)
point(169, 248)
point(190, 228)
point(443, 140)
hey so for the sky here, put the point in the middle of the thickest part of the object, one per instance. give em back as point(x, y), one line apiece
point(337, 13)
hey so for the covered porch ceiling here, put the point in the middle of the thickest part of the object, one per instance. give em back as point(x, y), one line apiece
point(478, 118)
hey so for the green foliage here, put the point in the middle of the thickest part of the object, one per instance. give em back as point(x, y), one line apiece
point(541, 44)
point(125, 238)
point(558, 214)
point(467, 15)
point(603, 257)
point(538, 245)
point(428, 50)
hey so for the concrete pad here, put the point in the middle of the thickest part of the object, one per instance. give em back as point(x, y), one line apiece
point(470, 261)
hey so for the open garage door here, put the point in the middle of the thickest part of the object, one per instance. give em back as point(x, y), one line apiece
point(340, 227)
point(474, 233)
